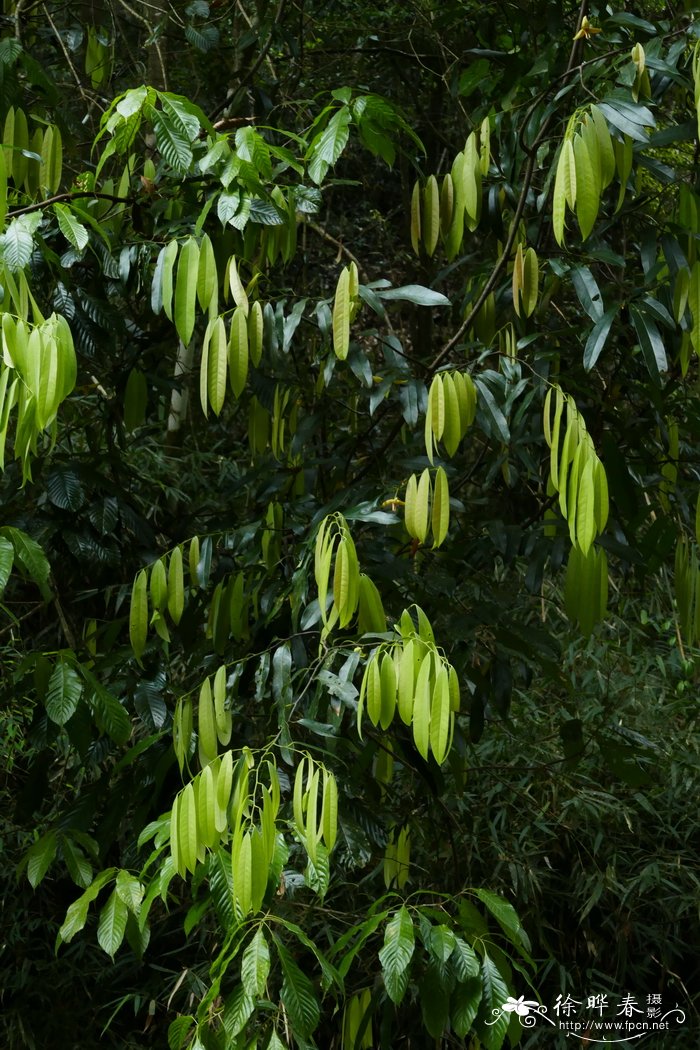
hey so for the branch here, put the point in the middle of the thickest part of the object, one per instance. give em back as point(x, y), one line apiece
point(66, 54)
point(71, 196)
point(340, 246)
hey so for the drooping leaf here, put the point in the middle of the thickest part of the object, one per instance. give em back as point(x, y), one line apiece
point(112, 924)
point(63, 693)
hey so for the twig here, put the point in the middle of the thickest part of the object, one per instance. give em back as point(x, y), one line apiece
point(340, 246)
point(66, 55)
point(70, 196)
point(151, 32)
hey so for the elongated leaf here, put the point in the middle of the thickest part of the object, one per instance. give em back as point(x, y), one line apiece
point(255, 964)
point(441, 508)
point(341, 316)
point(415, 293)
point(112, 925)
point(7, 554)
point(76, 916)
point(63, 693)
point(587, 187)
point(206, 725)
point(186, 290)
point(172, 141)
point(440, 716)
point(40, 856)
point(217, 364)
point(138, 614)
point(187, 828)
point(297, 994)
point(651, 343)
point(396, 953)
point(238, 351)
point(327, 147)
point(421, 709)
point(588, 292)
point(31, 558)
point(431, 215)
point(207, 277)
point(74, 231)
point(493, 1021)
point(597, 338)
point(498, 424)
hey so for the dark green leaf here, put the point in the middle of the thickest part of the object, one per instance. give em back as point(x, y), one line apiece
point(63, 693)
point(651, 344)
point(597, 338)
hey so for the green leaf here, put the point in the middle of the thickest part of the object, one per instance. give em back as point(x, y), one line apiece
point(74, 231)
point(112, 924)
point(179, 1031)
point(434, 1002)
point(109, 714)
point(255, 964)
point(415, 293)
point(588, 292)
point(76, 915)
point(138, 614)
point(506, 917)
point(396, 953)
point(597, 338)
point(186, 289)
point(31, 558)
point(619, 116)
point(297, 994)
point(40, 856)
point(464, 960)
point(651, 343)
point(6, 561)
point(63, 693)
point(237, 1009)
point(130, 890)
point(494, 995)
point(464, 1005)
point(172, 141)
point(326, 147)
point(18, 245)
point(497, 422)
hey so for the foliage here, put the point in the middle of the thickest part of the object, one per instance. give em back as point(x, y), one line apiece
point(350, 608)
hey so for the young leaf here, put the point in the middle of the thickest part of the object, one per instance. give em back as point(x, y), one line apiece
point(112, 925)
point(138, 614)
point(441, 508)
point(431, 215)
point(186, 290)
point(341, 316)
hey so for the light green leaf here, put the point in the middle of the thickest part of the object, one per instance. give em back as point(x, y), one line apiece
point(74, 231)
point(326, 147)
point(112, 924)
point(186, 289)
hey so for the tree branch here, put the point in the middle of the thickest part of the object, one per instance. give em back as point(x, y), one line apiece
point(70, 196)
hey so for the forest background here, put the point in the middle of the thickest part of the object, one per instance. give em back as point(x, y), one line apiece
point(349, 538)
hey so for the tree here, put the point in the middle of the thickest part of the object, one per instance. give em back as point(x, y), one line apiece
point(283, 538)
